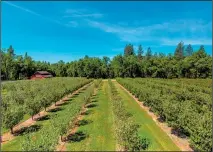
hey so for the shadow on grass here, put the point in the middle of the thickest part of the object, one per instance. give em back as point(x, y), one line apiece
point(64, 103)
point(160, 119)
point(75, 95)
point(25, 130)
point(179, 133)
point(76, 137)
point(84, 122)
point(42, 118)
point(91, 105)
point(87, 112)
point(93, 97)
point(94, 101)
point(55, 109)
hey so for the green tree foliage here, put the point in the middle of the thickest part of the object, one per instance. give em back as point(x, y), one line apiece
point(129, 50)
point(179, 51)
point(188, 50)
point(33, 96)
point(184, 63)
point(12, 116)
point(140, 52)
point(185, 107)
point(59, 126)
point(126, 129)
point(148, 53)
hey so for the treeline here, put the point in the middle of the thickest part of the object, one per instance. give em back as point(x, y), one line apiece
point(183, 63)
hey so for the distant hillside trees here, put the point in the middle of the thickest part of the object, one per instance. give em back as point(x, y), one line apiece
point(184, 63)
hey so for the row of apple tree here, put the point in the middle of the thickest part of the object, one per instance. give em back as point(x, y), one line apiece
point(125, 127)
point(48, 136)
point(187, 112)
point(30, 97)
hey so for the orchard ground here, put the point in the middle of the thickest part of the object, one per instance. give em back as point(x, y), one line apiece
point(98, 124)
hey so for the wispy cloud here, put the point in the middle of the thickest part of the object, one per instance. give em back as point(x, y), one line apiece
point(34, 13)
point(72, 24)
point(84, 15)
point(195, 32)
point(22, 8)
point(81, 13)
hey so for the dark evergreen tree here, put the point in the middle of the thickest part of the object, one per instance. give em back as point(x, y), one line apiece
point(179, 51)
point(149, 53)
point(129, 50)
point(140, 52)
point(188, 50)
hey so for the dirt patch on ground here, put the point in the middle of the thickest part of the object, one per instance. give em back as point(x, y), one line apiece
point(182, 143)
point(8, 136)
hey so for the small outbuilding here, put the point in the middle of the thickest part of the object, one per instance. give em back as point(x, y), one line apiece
point(41, 75)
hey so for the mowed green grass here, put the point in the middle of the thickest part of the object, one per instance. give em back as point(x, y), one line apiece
point(15, 144)
point(160, 141)
point(99, 130)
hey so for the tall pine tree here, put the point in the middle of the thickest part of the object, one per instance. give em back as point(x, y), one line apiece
point(129, 50)
point(202, 48)
point(179, 51)
point(140, 52)
point(149, 53)
point(189, 50)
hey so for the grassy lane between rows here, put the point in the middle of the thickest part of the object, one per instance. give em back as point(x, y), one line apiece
point(159, 141)
point(41, 132)
point(98, 126)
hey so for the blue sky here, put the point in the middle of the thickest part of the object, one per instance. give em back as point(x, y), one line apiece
point(54, 31)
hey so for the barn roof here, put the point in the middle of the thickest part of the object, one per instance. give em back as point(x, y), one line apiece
point(47, 76)
point(43, 73)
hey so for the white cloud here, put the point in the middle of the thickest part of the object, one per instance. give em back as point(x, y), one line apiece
point(22, 8)
point(193, 31)
point(84, 15)
point(81, 13)
point(72, 24)
point(34, 13)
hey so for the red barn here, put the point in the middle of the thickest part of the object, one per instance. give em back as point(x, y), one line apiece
point(41, 75)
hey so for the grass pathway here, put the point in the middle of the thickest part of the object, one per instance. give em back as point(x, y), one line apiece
point(99, 126)
point(159, 139)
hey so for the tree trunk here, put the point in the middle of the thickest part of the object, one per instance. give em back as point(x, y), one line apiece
point(55, 104)
point(11, 129)
point(61, 138)
point(32, 117)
